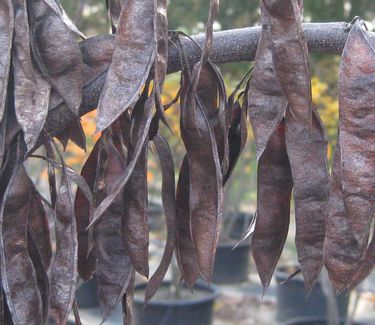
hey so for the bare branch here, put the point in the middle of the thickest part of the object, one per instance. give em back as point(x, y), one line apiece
point(229, 46)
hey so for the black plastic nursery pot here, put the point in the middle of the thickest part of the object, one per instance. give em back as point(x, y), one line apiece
point(231, 265)
point(315, 321)
point(292, 303)
point(192, 309)
point(86, 295)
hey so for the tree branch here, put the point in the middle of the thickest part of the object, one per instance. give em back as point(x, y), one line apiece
point(228, 46)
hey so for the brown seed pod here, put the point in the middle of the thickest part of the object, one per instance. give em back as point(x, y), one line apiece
point(18, 274)
point(31, 89)
point(341, 251)
point(65, 76)
point(169, 205)
point(131, 61)
point(6, 34)
point(83, 211)
point(274, 192)
point(114, 269)
point(357, 103)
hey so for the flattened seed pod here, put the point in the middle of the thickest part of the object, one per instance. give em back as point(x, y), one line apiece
point(31, 89)
point(114, 268)
point(18, 274)
point(341, 251)
point(357, 134)
point(274, 192)
point(6, 36)
point(266, 100)
point(65, 76)
point(307, 156)
point(131, 62)
point(305, 136)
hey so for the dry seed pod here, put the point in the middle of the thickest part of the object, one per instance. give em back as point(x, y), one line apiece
point(114, 268)
point(357, 104)
point(305, 136)
point(274, 192)
point(17, 273)
point(131, 62)
point(169, 205)
point(65, 76)
point(341, 251)
point(31, 89)
point(266, 100)
point(6, 35)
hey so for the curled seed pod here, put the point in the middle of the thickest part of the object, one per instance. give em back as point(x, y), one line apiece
point(82, 208)
point(131, 62)
point(356, 100)
point(65, 76)
point(169, 204)
point(31, 90)
point(114, 269)
point(212, 97)
point(6, 35)
point(274, 192)
point(18, 274)
point(341, 251)
point(185, 249)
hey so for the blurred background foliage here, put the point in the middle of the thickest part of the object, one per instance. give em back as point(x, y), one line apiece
point(189, 16)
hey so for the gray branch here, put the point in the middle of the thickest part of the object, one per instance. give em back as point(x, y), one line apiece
point(229, 46)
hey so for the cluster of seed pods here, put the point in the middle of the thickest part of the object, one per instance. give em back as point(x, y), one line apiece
point(102, 230)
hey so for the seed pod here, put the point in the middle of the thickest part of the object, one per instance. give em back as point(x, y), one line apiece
point(356, 100)
point(31, 90)
point(38, 225)
point(114, 268)
point(341, 251)
point(6, 35)
point(134, 221)
point(185, 249)
point(121, 181)
point(205, 181)
point(169, 205)
point(64, 268)
point(305, 136)
point(266, 100)
point(18, 274)
point(290, 56)
point(82, 208)
point(307, 155)
point(131, 62)
point(40, 269)
point(65, 76)
point(274, 192)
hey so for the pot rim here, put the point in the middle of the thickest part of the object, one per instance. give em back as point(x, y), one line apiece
point(282, 275)
point(307, 319)
point(213, 292)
